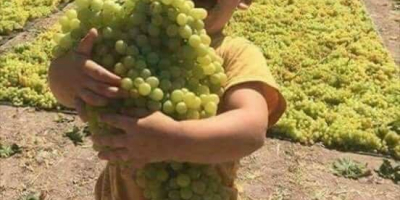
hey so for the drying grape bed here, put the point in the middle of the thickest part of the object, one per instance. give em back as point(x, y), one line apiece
point(14, 14)
point(342, 87)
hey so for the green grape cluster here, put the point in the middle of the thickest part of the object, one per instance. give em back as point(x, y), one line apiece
point(162, 52)
point(181, 181)
point(160, 48)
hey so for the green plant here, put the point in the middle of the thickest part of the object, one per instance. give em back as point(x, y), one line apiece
point(9, 150)
point(389, 171)
point(348, 168)
point(76, 134)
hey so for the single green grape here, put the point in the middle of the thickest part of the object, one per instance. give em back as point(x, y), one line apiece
point(182, 19)
point(181, 108)
point(154, 105)
point(108, 61)
point(71, 14)
point(157, 94)
point(177, 96)
point(145, 73)
point(126, 83)
point(195, 41)
point(153, 30)
point(138, 81)
point(75, 23)
point(209, 69)
point(199, 13)
point(142, 40)
point(186, 193)
point(82, 4)
point(120, 47)
point(199, 187)
point(172, 30)
point(193, 114)
point(211, 108)
point(176, 72)
point(198, 24)
point(153, 81)
point(120, 69)
point(185, 31)
point(189, 99)
point(205, 39)
point(165, 84)
point(204, 60)
point(96, 5)
point(129, 61)
point(66, 42)
point(215, 98)
point(144, 89)
point(153, 58)
point(174, 195)
point(202, 50)
point(183, 180)
point(108, 32)
point(140, 64)
point(168, 107)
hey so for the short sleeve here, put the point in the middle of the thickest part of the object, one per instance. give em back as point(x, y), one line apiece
point(244, 62)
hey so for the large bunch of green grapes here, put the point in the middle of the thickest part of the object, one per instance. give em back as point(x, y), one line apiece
point(162, 51)
point(15, 13)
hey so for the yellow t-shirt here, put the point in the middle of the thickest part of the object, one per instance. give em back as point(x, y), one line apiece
point(243, 62)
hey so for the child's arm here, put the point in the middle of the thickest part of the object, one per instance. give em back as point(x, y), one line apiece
point(237, 132)
point(74, 76)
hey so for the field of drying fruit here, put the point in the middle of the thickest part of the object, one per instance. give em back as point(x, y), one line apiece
point(336, 64)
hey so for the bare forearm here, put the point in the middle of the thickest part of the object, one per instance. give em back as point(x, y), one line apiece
point(227, 137)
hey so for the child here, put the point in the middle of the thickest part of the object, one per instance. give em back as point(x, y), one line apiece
point(250, 105)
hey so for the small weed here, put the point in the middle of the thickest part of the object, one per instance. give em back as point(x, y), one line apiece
point(396, 5)
point(9, 150)
point(31, 196)
point(63, 119)
point(76, 135)
point(348, 168)
point(388, 171)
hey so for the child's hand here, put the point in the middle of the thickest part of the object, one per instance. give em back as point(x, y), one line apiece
point(75, 77)
point(152, 138)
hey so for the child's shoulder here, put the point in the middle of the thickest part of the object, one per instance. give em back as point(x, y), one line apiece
point(232, 42)
point(236, 47)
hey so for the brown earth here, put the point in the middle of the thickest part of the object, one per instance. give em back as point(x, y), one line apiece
point(386, 17)
point(50, 164)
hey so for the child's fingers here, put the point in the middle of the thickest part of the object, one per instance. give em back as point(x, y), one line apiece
point(102, 88)
point(119, 121)
point(92, 98)
point(86, 44)
point(99, 73)
point(80, 108)
point(136, 112)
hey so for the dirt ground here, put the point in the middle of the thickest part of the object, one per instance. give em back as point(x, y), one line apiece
point(386, 17)
point(57, 169)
